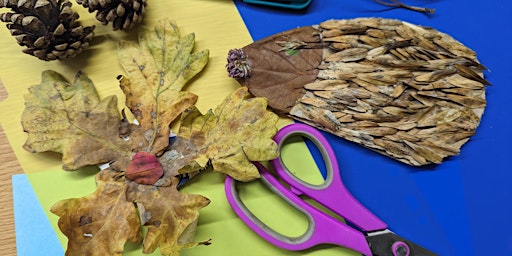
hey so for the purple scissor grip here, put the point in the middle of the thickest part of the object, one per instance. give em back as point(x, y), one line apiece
point(332, 193)
point(322, 229)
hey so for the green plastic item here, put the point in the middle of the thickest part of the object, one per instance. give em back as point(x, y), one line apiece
point(293, 4)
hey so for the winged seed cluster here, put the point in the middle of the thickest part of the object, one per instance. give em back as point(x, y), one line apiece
point(408, 92)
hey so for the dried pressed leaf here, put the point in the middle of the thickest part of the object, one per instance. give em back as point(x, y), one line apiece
point(168, 215)
point(157, 68)
point(422, 91)
point(102, 222)
point(282, 84)
point(251, 128)
point(69, 118)
point(144, 168)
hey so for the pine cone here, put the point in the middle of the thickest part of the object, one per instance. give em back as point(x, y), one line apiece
point(48, 28)
point(123, 14)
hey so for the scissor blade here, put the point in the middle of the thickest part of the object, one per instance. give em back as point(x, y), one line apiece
point(388, 243)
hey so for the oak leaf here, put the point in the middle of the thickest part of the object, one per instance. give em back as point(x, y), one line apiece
point(69, 118)
point(102, 222)
point(239, 131)
point(157, 68)
point(167, 214)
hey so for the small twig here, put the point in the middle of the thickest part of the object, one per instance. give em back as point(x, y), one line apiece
point(397, 3)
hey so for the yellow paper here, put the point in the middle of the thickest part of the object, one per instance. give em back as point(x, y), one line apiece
point(216, 24)
point(218, 27)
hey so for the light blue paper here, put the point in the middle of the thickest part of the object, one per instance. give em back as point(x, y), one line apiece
point(34, 233)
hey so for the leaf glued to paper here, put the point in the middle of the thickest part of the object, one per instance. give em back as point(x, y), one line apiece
point(157, 68)
point(167, 214)
point(239, 131)
point(102, 222)
point(281, 65)
point(69, 118)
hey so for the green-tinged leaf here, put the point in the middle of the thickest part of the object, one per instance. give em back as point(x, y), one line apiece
point(157, 70)
point(239, 131)
point(99, 223)
point(69, 118)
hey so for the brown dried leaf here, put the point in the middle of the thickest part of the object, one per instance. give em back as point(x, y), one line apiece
point(282, 84)
point(102, 222)
point(71, 119)
point(168, 213)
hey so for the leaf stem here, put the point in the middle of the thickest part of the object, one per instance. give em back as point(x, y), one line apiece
point(399, 4)
point(160, 85)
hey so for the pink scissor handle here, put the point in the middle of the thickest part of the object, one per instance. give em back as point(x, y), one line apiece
point(332, 193)
point(322, 229)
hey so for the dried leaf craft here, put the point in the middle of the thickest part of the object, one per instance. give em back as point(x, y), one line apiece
point(139, 188)
point(409, 92)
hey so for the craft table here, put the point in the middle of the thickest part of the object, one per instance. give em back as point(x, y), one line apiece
point(461, 207)
point(8, 166)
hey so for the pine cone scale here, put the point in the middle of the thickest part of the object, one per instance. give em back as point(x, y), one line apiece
point(40, 42)
point(59, 30)
point(43, 6)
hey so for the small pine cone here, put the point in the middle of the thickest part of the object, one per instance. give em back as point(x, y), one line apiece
point(123, 14)
point(48, 28)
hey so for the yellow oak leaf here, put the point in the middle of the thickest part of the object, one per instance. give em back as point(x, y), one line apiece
point(102, 222)
point(157, 68)
point(168, 214)
point(69, 118)
point(238, 131)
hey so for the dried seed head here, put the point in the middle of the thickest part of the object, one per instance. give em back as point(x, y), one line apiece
point(238, 64)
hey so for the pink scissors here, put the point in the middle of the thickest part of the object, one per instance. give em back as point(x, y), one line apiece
point(371, 236)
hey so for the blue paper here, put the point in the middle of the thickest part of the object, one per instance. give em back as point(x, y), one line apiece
point(461, 207)
point(34, 233)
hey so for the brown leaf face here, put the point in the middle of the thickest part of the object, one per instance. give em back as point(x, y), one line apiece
point(168, 213)
point(411, 93)
point(281, 65)
point(100, 223)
